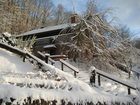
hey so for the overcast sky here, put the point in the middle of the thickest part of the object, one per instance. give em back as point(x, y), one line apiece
point(128, 11)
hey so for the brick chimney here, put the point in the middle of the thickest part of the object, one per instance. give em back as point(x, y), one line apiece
point(74, 18)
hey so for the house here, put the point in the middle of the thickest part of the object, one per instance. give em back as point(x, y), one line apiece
point(46, 37)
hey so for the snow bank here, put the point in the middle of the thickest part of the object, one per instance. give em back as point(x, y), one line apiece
point(54, 94)
point(9, 62)
point(19, 80)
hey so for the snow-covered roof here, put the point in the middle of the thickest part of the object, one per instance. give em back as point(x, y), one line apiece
point(47, 29)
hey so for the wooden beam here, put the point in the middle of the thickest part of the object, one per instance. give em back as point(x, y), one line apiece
point(12, 49)
point(58, 57)
point(99, 80)
point(115, 79)
point(51, 60)
point(106, 75)
point(69, 66)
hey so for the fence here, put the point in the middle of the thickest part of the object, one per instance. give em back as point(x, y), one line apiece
point(23, 54)
point(115, 79)
point(47, 57)
point(69, 66)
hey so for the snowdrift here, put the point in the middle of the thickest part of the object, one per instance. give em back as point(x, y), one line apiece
point(25, 83)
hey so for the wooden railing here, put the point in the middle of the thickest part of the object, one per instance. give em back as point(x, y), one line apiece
point(56, 57)
point(95, 71)
point(46, 58)
point(32, 58)
point(13, 49)
point(69, 66)
point(23, 54)
point(115, 79)
point(51, 60)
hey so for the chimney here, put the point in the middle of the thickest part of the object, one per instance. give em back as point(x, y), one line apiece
point(74, 18)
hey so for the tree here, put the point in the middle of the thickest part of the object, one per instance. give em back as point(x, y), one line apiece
point(19, 16)
point(124, 32)
point(90, 36)
point(91, 7)
point(61, 16)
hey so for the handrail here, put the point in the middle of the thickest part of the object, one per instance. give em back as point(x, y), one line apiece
point(39, 61)
point(41, 54)
point(106, 75)
point(12, 49)
point(46, 57)
point(22, 53)
point(55, 56)
point(35, 58)
point(51, 60)
point(69, 66)
point(58, 57)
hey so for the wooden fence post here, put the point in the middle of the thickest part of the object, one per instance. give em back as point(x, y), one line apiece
point(99, 80)
point(47, 57)
point(62, 67)
point(24, 57)
point(93, 77)
point(129, 91)
point(52, 63)
point(75, 74)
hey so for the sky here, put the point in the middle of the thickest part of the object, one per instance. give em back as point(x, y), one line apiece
point(126, 11)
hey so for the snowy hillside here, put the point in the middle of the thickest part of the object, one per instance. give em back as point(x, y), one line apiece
point(21, 82)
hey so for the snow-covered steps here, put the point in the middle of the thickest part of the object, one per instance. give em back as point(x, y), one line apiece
point(23, 84)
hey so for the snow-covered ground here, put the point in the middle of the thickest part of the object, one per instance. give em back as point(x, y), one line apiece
point(106, 84)
point(20, 80)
